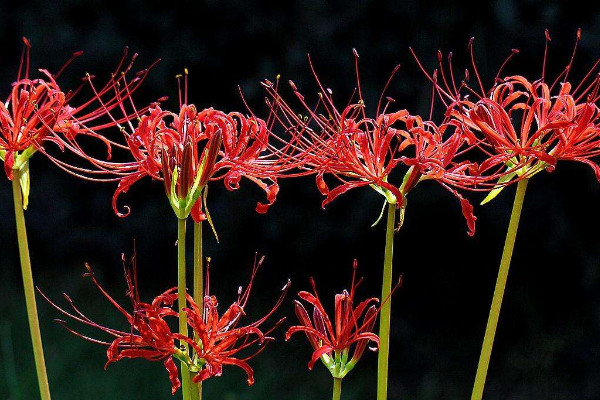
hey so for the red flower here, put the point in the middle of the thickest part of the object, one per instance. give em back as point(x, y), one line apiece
point(179, 149)
point(190, 148)
point(220, 337)
point(525, 126)
point(149, 336)
point(340, 343)
point(358, 151)
point(39, 111)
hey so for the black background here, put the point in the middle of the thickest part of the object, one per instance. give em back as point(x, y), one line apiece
point(547, 341)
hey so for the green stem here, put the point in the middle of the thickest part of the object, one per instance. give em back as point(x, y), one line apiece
point(32, 315)
point(385, 314)
point(490, 330)
point(198, 284)
point(337, 388)
point(181, 291)
point(198, 272)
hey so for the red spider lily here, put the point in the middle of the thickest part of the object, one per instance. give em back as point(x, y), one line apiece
point(166, 146)
point(361, 151)
point(527, 126)
point(356, 150)
point(39, 111)
point(219, 338)
point(340, 343)
point(149, 336)
point(34, 109)
point(190, 148)
point(170, 151)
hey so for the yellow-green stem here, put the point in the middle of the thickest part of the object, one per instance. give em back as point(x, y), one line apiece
point(337, 388)
point(385, 314)
point(32, 315)
point(181, 291)
point(490, 330)
point(198, 284)
point(198, 271)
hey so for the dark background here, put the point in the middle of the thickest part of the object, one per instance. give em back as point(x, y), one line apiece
point(547, 341)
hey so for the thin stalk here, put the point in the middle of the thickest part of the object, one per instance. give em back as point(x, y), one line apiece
point(198, 272)
point(181, 291)
point(198, 284)
point(386, 309)
point(32, 314)
point(337, 388)
point(490, 330)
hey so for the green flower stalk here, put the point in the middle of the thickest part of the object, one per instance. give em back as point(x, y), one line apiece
point(386, 309)
point(198, 285)
point(186, 382)
point(28, 286)
point(490, 330)
point(337, 389)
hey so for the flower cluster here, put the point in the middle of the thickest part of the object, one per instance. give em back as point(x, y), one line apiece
point(216, 341)
point(484, 141)
point(356, 150)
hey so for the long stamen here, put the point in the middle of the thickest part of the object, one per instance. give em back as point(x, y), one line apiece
point(474, 64)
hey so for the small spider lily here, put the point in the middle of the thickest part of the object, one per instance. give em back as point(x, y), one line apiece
point(341, 342)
